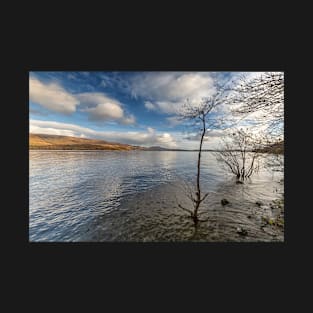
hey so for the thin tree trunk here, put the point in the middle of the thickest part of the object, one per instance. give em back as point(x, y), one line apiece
point(243, 158)
point(198, 192)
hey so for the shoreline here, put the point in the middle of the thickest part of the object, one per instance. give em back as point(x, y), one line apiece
point(154, 216)
point(143, 150)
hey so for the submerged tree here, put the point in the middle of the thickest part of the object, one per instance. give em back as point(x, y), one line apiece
point(200, 116)
point(259, 102)
point(239, 153)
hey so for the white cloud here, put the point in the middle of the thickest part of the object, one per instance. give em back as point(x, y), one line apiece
point(52, 96)
point(150, 137)
point(99, 106)
point(56, 128)
point(144, 138)
point(168, 107)
point(167, 91)
point(105, 111)
point(174, 121)
point(166, 139)
point(214, 133)
point(128, 120)
point(211, 133)
point(171, 86)
point(149, 105)
point(191, 141)
point(150, 130)
point(103, 107)
point(94, 98)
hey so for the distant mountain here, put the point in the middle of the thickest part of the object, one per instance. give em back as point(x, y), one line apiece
point(54, 142)
point(158, 148)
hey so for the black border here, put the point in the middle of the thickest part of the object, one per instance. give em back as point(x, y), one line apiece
point(254, 36)
point(195, 260)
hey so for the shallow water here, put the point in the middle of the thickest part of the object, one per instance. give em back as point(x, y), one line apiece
point(133, 196)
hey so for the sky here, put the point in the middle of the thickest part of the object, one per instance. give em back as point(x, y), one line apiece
point(138, 108)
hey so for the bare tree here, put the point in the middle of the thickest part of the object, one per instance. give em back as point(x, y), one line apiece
point(240, 152)
point(199, 115)
point(263, 94)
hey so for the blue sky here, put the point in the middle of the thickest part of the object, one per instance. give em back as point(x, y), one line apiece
point(129, 107)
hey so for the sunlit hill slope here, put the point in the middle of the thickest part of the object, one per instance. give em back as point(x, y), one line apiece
point(54, 142)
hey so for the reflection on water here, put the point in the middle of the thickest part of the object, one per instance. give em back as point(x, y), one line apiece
point(111, 195)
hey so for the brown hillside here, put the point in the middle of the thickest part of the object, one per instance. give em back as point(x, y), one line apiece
point(54, 142)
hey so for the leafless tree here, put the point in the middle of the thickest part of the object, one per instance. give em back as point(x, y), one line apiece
point(200, 116)
point(263, 94)
point(239, 153)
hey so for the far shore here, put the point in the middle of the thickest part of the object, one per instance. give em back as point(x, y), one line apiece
point(56, 142)
point(143, 149)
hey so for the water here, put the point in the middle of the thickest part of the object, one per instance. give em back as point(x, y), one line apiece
point(133, 196)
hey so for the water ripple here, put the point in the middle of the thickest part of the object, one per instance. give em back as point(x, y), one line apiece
point(109, 195)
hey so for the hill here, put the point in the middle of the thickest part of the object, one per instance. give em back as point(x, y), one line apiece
point(276, 148)
point(158, 148)
point(54, 142)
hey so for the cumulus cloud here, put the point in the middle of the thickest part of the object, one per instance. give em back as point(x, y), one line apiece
point(168, 107)
point(149, 105)
point(171, 86)
point(99, 106)
point(128, 120)
point(105, 111)
point(166, 139)
point(167, 91)
point(150, 137)
point(52, 96)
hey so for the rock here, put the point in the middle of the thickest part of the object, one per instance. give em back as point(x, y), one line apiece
point(224, 201)
point(249, 216)
point(268, 220)
point(242, 231)
point(271, 221)
point(259, 203)
point(239, 182)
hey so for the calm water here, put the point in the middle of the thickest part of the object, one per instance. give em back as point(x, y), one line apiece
point(133, 196)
